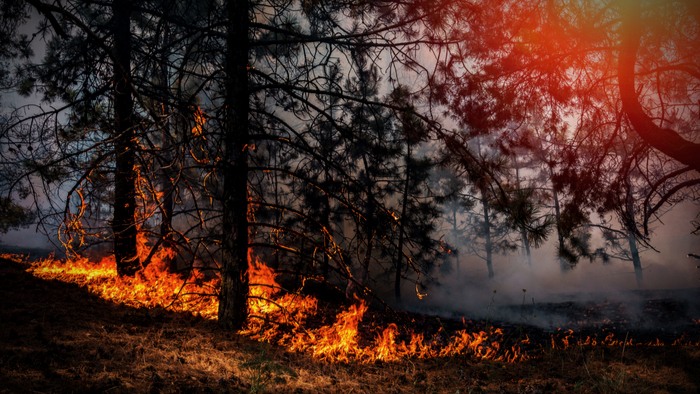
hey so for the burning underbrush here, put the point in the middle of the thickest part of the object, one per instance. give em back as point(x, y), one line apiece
point(302, 323)
point(65, 338)
point(280, 318)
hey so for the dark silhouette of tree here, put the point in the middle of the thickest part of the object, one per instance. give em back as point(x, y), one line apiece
point(13, 216)
point(290, 53)
point(76, 57)
point(667, 24)
point(484, 167)
point(524, 215)
point(524, 200)
point(455, 205)
point(107, 129)
point(615, 67)
point(615, 248)
point(123, 221)
point(256, 70)
point(418, 210)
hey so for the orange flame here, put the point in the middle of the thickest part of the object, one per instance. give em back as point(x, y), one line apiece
point(274, 317)
point(199, 121)
point(278, 317)
point(149, 288)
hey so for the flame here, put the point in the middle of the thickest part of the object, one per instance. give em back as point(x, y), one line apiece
point(339, 342)
point(275, 316)
point(267, 309)
point(279, 317)
point(200, 118)
point(150, 288)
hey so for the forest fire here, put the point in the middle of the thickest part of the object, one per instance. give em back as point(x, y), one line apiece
point(371, 155)
point(288, 320)
point(153, 287)
point(274, 318)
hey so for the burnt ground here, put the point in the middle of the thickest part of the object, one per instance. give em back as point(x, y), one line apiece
point(645, 315)
point(58, 338)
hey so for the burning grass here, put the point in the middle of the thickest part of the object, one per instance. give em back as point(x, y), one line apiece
point(277, 317)
point(61, 338)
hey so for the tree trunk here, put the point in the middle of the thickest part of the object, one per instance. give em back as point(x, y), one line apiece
point(166, 181)
point(525, 249)
point(326, 223)
point(275, 263)
point(526, 246)
point(636, 261)
point(233, 308)
point(166, 224)
point(563, 265)
point(454, 239)
point(123, 223)
point(487, 234)
point(631, 240)
point(367, 234)
point(402, 224)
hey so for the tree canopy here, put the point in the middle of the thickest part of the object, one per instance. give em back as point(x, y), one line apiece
point(620, 76)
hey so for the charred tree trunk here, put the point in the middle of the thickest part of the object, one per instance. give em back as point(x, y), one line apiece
point(454, 236)
point(233, 308)
point(166, 224)
point(275, 263)
point(326, 223)
point(368, 231)
point(123, 223)
point(166, 181)
point(402, 226)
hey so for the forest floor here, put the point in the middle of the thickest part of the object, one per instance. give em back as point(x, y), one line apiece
point(57, 337)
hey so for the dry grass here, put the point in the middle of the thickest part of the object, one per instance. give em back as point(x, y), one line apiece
point(58, 338)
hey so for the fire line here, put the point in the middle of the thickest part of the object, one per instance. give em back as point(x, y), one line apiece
point(278, 318)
